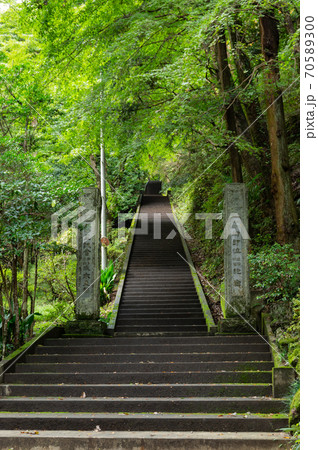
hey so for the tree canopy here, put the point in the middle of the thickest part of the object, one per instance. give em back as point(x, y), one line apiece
point(198, 93)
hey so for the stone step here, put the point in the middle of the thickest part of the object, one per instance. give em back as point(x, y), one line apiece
point(147, 405)
point(184, 282)
point(142, 422)
point(162, 261)
point(139, 377)
point(150, 318)
point(187, 302)
point(214, 366)
point(161, 328)
point(160, 312)
point(137, 390)
point(155, 357)
point(172, 341)
point(173, 266)
point(159, 440)
point(153, 322)
point(182, 296)
point(158, 290)
point(140, 332)
point(149, 271)
point(145, 301)
point(153, 312)
point(164, 307)
point(133, 277)
point(126, 347)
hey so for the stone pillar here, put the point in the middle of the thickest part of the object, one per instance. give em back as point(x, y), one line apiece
point(236, 306)
point(87, 306)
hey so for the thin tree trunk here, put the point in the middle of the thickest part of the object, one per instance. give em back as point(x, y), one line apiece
point(6, 289)
point(260, 164)
point(15, 302)
point(252, 108)
point(24, 307)
point(285, 211)
point(226, 83)
point(3, 321)
point(93, 165)
point(33, 297)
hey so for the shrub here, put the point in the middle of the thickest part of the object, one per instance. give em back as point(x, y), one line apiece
point(274, 272)
point(57, 276)
point(7, 330)
point(107, 280)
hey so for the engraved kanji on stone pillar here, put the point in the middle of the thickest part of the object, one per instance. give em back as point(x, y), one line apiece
point(237, 292)
point(88, 257)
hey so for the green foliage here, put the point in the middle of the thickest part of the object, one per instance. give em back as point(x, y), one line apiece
point(57, 312)
point(145, 74)
point(57, 273)
point(24, 325)
point(105, 318)
point(107, 281)
point(274, 272)
point(288, 337)
point(295, 431)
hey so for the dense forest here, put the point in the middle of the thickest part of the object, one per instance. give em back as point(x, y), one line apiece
point(196, 93)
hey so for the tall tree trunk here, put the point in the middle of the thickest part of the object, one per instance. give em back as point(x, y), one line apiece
point(252, 108)
point(6, 289)
point(3, 321)
point(33, 297)
point(226, 84)
point(285, 211)
point(15, 301)
point(24, 307)
point(255, 164)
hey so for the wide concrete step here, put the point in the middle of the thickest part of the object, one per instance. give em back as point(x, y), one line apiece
point(146, 357)
point(145, 366)
point(155, 313)
point(151, 348)
point(137, 390)
point(132, 277)
point(155, 322)
point(160, 328)
point(139, 377)
point(159, 440)
point(141, 332)
point(158, 291)
point(158, 312)
point(142, 422)
point(159, 404)
point(172, 341)
point(184, 296)
point(155, 307)
point(148, 271)
point(163, 283)
point(145, 301)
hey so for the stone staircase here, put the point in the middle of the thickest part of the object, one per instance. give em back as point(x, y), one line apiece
point(160, 382)
point(212, 383)
point(159, 295)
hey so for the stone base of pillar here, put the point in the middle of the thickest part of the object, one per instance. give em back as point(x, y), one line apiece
point(237, 325)
point(86, 327)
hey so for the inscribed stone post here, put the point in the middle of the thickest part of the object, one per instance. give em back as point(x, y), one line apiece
point(88, 257)
point(237, 292)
